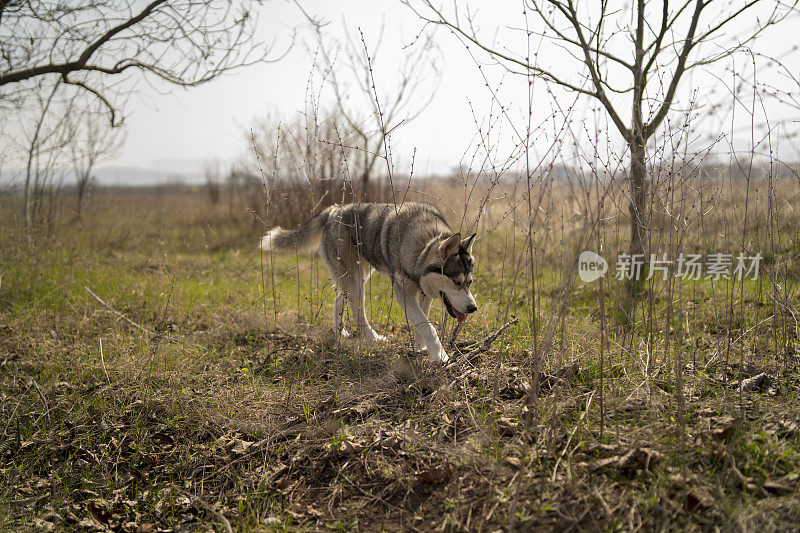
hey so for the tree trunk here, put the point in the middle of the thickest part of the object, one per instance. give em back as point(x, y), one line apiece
point(638, 183)
point(82, 183)
point(638, 210)
point(27, 206)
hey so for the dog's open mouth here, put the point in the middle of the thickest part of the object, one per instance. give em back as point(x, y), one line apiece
point(450, 309)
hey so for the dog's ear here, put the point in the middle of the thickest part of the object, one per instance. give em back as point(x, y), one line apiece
point(467, 243)
point(449, 246)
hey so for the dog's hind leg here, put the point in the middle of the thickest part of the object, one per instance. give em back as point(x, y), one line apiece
point(355, 286)
point(338, 314)
point(340, 277)
point(425, 307)
point(350, 273)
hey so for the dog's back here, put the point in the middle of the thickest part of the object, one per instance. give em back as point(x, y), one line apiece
point(388, 236)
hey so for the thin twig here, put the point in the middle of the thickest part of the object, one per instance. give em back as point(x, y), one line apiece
point(218, 515)
point(487, 343)
point(103, 361)
point(44, 401)
point(120, 315)
point(456, 331)
point(574, 430)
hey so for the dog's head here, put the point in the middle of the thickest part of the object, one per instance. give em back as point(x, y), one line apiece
point(448, 275)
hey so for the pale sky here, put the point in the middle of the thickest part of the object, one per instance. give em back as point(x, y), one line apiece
point(184, 129)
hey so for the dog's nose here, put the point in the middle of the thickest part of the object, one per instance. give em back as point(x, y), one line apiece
point(471, 308)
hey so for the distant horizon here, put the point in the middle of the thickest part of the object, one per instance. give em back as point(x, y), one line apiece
point(111, 175)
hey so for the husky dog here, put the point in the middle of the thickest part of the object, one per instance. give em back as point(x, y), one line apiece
point(411, 243)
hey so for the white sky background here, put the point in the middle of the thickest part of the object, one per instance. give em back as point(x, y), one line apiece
point(180, 131)
point(187, 127)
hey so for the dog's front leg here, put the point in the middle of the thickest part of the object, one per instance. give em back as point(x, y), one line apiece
point(419, 321)
point(425, 306)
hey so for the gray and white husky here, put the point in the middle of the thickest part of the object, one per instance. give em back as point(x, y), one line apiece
point(411, 243)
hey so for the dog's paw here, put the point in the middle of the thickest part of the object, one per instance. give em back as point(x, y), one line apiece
point(371, 336)
point(419, 344)
point(344, 334)
point(439, 356)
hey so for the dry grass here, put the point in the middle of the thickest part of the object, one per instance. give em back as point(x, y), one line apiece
point(237, 410)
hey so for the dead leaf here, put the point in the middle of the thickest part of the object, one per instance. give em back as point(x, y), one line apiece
point(696, 498)
point(569, 372)
point(100, 510)
point(729, 429)
point(507, 426)
point(776, 487)
point(616, 371)
point(283, 483)
point(241, 446)
point(361, 410)
point(43, 525)
point(434, 475)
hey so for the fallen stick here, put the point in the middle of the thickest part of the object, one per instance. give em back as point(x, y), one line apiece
point(456, 331)
point(44, 401)
point(216, 514)
point(120, 315)
point(487, 342)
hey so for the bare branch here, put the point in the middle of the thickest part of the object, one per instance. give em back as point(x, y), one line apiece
point(569, 12)
point(403, 105)
point(656, 45)
point(688, 44)
point(184, 42)
point(546, 74)
point(565, 38)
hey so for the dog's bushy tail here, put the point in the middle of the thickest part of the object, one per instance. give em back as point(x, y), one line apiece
point(300, 239)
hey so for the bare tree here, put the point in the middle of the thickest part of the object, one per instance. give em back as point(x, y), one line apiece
point(93, 49)
point(93, 45)
point(95, 140)
point(624, 55)
point(43, 141)
point(212, 172)
point(347, 68)
point(310, 157)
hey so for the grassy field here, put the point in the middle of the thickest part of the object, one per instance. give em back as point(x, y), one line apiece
point(208, 388)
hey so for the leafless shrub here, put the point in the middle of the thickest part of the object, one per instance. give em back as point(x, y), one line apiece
point(347, 69)
point(94, 141)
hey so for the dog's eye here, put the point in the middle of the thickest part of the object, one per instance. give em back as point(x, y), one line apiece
point(469, 282)
point(457, 283)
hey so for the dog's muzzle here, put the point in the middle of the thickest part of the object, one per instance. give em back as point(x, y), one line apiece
point(453, 312)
